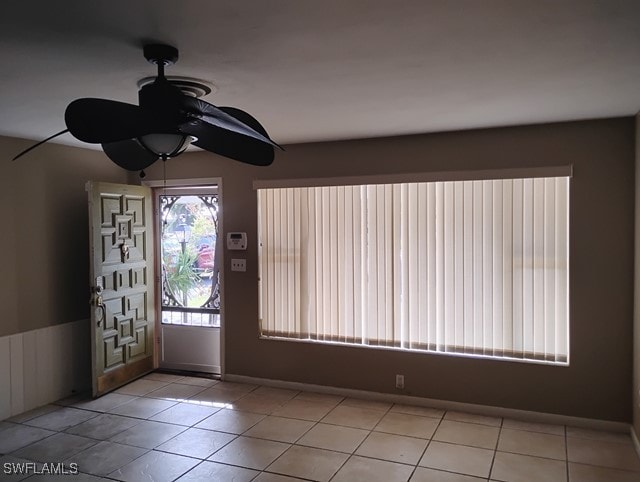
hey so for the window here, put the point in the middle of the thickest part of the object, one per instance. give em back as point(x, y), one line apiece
point(190, 273)
point(469, 267)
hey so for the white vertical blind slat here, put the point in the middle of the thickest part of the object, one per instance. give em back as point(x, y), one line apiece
point(475, 267)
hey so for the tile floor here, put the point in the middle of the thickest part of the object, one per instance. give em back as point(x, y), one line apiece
point(166, 427)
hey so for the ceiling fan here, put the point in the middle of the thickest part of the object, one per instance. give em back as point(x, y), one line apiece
point(164, 123)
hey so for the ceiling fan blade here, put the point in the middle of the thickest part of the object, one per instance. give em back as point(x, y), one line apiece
point(129, 155)
point(218, 117)
point(99, 121)
point(229, 144)
point(39, 144)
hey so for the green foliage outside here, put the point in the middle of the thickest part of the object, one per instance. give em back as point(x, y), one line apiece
point(181, 275)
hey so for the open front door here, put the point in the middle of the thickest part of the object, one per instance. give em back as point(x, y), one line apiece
point(122, 314)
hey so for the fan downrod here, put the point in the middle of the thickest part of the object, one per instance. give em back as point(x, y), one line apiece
point(160, 54)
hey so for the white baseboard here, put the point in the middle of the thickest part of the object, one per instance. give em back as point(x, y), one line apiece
point(525, 415)
point(44, 365)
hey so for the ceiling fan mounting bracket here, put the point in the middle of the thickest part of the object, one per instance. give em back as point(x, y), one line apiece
point(160, 54)
point(188, 85)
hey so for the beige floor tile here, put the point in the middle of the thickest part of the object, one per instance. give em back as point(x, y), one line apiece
point(333, 437)
point(231, 421)
point(353, 417)
point(256, 403)
point(533, 426)
point(163, 377)
point(213, 471)
point(176, 392)
point(216, 397)
point(62, 419)
point(65, 478)
point(105, 457)
point(36, 412)
point(308, 463)
point(417, 410)
point(201, 382)
point(458, 458)
point(15, 473)
point(319, 397)
point(395, 448)
point(15, 436)
point(56, 448)
point(196, 442)
point(423, 474)
point(404, 424)
point(464, 433)
point(268, 477)
point(279, 429)
point(372, 470)
point(147, 434)
point(578, 432)
point(532, 443)
point(473, 418)
point(235, 387)
point(614, 455)
point(104, 426)
point(141, 387)
point(524, 468)
point(185, 414)
point(280, 394)
point(368, 404)
point(155, 466)
point(105, 403)
point(591, 473)
point(252, 453)
point(304, 410)
point(142, 407)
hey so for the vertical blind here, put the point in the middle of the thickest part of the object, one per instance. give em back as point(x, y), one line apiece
point(475, 267)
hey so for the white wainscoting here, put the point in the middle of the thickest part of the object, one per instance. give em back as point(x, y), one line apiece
point(41, 366)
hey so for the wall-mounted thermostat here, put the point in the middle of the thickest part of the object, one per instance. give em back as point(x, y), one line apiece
point(237, 241)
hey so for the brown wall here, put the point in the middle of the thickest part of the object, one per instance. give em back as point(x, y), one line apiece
point(597, 384)
point(636, 294)
point(44, 242)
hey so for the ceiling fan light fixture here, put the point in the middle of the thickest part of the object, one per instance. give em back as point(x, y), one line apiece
point(166, 145)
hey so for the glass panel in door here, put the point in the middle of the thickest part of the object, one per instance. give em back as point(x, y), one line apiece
point(190, 271)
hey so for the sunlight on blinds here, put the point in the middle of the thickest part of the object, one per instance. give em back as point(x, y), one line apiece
point(475, 267)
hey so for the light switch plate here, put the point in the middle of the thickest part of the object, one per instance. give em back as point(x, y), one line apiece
point(238, 265)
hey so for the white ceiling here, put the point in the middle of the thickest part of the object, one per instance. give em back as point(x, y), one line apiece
point(332, 69)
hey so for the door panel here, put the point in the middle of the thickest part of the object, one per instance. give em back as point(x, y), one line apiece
point(122, 316)
point(189, 256)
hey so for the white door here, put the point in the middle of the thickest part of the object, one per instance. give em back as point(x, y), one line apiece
point(123, 313)
point(189, 307)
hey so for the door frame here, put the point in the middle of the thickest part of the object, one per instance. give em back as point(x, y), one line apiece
point(188, 183)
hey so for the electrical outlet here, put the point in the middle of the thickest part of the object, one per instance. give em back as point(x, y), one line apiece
point(238, 265)
point(400, 381)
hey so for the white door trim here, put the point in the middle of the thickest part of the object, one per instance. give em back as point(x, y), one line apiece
point(189, 183)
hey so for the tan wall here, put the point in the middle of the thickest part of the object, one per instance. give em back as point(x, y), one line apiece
point(44, 242)
point(636, 294)
point(597, 384)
